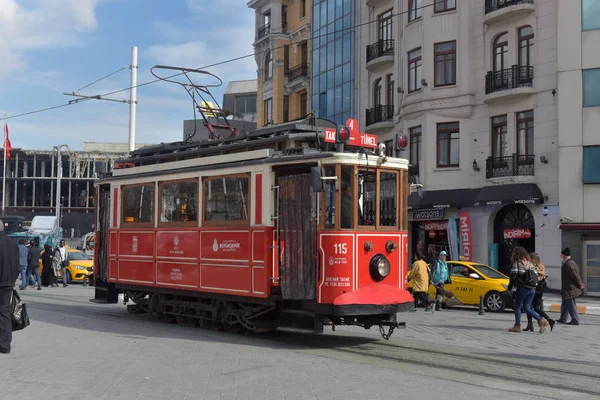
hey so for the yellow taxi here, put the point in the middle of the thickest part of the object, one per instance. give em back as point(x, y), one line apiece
point(80, 266)
point(471, 280)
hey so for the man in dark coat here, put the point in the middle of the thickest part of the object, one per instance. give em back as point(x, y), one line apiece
point(572, 287)
point(9, 271)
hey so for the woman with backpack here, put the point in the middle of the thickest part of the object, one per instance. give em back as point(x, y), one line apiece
point(537, 299)
point(524, 276)
point(439, 278)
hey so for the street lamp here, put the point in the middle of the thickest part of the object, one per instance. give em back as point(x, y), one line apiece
point(59, 177)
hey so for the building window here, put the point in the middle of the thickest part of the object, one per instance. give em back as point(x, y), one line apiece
point(286, 108)
point(377, 93)
point(414, 70)
point(178, 202)
point(384, 22)
point(590, 15)
point(445, 63)
point(268, 66)
point(302, 8)
point(137, 204)
point(448, 144)
point(389, 147)
point(591, 87)
point(500, 49)
point(414, 9)
point(303, 104)
point(591, 172)
point(322, 104)
point(525, 46)
point(499, 132)
point(226, 200)
point(268, 103)
point(286, 59)
point(390, 89)
point(444, 5)
point(525, 133)
point(245, 105)
point(415, 145)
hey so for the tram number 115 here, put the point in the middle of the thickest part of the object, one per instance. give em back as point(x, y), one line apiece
point(340, 248)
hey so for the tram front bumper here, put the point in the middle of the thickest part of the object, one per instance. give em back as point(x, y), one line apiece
point(376, 299)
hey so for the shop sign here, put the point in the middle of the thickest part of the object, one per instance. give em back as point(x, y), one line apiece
point(357, 138)
point(465, 235)
point(517, 233)
point(429, 214)
point(436, 226)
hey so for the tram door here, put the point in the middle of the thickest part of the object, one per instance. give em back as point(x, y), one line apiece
point(296, 231)
point(103, 290)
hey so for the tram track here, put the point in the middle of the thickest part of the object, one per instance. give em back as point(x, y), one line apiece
point(473, 368)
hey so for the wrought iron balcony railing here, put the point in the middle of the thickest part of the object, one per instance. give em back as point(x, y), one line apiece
point(298, 71)
point(264, 30)
point(515, 77)
point(379, 49)
point(515, 165)
point(495, 5)
point(379, 114)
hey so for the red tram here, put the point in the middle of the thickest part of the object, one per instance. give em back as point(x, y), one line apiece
point(298, 225)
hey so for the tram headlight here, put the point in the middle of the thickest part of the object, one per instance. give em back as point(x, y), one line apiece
point(380, 267)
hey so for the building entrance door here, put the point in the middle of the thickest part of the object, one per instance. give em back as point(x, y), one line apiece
point(591, 267)
point(514, 226)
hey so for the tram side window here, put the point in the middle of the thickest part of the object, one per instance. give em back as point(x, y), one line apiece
point(179, 201)
point(330, 198)
point(346, 206)
point(138, 204)
point(226, 199)
point(388, 198)
point(367, 195)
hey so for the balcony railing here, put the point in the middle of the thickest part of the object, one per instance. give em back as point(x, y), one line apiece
point(379, 49)
point(512, 78)
point(515, 165)
point(284, 25)
point(379, 114)
point(297, 72)
point(264, 30)
point(495, 5)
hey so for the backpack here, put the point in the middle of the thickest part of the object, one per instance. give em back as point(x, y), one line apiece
point(530, 279)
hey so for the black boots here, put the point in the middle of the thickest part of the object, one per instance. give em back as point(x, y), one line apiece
point(529, 327)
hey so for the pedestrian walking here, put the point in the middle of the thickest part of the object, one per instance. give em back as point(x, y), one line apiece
point(419, 274)
point(33, 259)
point(9, 271)
point(538, 305)
point(439, 277)
point(48, 276)
point(23, 251)
point(61, 254)
point(521, 273)
point(572, 287)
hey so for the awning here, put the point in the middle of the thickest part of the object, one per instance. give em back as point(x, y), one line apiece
point(454, 198)
point(517, 193)
point(580, 227)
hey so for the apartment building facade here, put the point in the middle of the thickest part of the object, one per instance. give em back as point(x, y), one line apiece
point(283, 49)
point(473, 85)
point(578, 139)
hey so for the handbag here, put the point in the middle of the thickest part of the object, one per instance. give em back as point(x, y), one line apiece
point(19, 316)
point(542, 285)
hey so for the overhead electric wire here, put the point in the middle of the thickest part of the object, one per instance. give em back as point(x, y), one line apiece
point(215, 64)
point(104, 77)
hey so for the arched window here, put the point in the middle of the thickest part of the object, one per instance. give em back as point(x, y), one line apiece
point(526, 46)
point(377, 93)
point(389, 82)
point(500, 50)
point(268, 66)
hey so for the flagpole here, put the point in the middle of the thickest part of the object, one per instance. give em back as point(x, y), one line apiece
point(4, 170)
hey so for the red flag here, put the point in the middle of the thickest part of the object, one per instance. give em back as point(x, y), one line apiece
point(7, 145)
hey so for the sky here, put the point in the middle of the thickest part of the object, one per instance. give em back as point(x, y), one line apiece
point(48, 47)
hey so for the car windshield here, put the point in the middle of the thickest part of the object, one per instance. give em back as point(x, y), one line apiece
point(78, 256)
point(489, 272)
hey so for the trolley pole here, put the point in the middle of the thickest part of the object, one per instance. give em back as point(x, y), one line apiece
point(133, 98)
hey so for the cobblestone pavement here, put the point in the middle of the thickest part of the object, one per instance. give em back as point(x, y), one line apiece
point(75, 349)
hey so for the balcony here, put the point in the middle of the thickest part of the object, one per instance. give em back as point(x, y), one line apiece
point(514, 81)
point(298, 77)
point(501, 10)
point(379, 118)
point(377, 3)
point(263, 31)
point(380, 53)
point(510, 166)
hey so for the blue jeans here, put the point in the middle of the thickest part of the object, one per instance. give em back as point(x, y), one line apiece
point(524, 300)
point(23, 276)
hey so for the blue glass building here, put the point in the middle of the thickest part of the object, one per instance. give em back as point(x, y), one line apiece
point(332, 76)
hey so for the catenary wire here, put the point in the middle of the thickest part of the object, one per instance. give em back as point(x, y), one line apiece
point(219, 63)
point(98, 80)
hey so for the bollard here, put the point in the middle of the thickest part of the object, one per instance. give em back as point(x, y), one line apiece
point(481, 310)
point(85, 280)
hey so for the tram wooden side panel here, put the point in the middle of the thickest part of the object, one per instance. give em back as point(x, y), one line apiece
point(215, 260)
